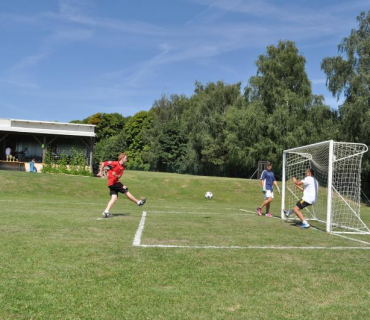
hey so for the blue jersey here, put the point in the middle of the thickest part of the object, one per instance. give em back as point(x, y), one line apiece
point(269, 176)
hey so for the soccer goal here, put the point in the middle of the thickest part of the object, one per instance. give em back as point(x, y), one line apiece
point(337, 167)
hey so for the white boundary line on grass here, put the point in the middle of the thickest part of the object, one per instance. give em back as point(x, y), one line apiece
point(53, 202)
point(179, 207)
point(250, 247)
point(333, 234)
point(195, 213)
point(104, 202)
point(352, 239)
point(139, 232)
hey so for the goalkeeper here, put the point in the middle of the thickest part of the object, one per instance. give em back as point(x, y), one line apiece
point(310, 187)
point(267, 181)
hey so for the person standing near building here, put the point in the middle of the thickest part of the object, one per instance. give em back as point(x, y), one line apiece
point(26, 153)
point(267, 181)
point(8, 151)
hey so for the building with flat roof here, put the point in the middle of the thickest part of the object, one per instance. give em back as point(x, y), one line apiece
point(36, 137)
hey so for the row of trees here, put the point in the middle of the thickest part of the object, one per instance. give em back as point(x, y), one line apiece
point(224, 130)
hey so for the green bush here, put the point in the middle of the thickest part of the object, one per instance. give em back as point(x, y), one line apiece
point(74, 164)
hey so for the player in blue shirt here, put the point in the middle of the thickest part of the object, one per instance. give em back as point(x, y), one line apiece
point(267, 181)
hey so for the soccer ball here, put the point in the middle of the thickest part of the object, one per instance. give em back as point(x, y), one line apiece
point(209, 195)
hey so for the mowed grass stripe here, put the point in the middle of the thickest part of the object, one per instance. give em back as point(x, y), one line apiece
point(59, 262)
point(232, 230)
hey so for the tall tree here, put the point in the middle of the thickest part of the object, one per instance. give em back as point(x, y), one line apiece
point(206, 126)
point(281, 78)
point(134, 132)
point(109, 148)
point(107, 124)
point(166, 136)
point(349, 74)
point(282, 92)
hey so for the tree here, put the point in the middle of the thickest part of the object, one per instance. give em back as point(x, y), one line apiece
point(134, 132)
point(110, 148)
point(242, 133)
point(107, 124)
point(349, 74)
point(166, 136)
point(206, 119)
point(171, 148)
point(281, 78)
point(288, 111)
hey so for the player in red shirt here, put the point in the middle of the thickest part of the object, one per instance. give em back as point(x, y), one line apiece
point(114, 174)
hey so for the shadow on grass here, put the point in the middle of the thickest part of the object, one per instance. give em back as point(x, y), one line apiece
point(114, 215)
point(120, 215)
point(314, 224)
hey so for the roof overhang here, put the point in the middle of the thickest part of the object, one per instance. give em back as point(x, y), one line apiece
point(45, 127)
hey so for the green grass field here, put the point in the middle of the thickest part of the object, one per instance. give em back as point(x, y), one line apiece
point(61, 260)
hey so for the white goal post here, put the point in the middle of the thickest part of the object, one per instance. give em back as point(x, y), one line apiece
point(337, 168)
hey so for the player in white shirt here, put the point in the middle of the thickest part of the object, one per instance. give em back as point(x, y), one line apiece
point(310, 188)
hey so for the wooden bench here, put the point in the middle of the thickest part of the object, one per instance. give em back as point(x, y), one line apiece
point(12, 165)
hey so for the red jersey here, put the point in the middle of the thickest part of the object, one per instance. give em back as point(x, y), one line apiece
point(117, 168)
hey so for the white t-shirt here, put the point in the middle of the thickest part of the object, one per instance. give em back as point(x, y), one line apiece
point(8, 151)
point(311, 190)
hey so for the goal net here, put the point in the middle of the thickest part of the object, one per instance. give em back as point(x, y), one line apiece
point(337, 168)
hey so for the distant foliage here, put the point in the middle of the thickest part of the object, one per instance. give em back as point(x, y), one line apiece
point(134, 134)
point(166, 138)
point(74, 164)
point(107, 124)
point(109, 148)
point(348, 74)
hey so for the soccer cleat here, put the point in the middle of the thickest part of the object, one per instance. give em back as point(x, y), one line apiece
point(269, 215)
point(288, 212)
point(142, 202)
point(259, 212)
point(305, 225)
point(106, 215)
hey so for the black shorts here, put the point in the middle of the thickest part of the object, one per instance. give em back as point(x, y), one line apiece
point(301, 204)
point(117, 188)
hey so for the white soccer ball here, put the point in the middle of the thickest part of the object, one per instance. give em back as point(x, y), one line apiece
point(209, 195)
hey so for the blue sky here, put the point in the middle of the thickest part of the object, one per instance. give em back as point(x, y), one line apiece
point(68, 59)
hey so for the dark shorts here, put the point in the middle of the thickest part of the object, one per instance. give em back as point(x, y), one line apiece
point(301, 204)
point(117, 188)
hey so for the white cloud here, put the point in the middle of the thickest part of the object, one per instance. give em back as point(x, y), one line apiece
point(72, 34)
point(18, 19)
point(303, 20)
point(18, 110)
point(30, 61)
point(20, 73)
point(209, 34)
point(75, 12)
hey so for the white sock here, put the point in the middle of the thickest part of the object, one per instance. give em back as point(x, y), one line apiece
point(138, 202)
point(305, 221)
point(106, 211)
